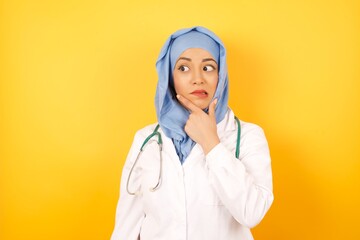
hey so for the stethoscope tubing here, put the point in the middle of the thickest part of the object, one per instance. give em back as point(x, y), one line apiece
point(159, 142)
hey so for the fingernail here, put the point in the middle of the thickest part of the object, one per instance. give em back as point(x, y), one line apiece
point(215, 101)
point(178, 96)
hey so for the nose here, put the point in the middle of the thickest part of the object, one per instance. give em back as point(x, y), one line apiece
point(198, 79)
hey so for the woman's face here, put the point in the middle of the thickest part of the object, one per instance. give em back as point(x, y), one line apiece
point(196, 76)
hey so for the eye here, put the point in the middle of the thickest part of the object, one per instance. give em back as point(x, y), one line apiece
point(183, 68)
point(208, 68)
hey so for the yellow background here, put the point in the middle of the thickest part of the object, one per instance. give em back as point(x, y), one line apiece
point(78, 79)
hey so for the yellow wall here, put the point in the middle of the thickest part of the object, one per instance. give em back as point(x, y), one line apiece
point(78, 79)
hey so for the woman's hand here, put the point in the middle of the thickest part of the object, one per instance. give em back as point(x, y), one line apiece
point(201, 127)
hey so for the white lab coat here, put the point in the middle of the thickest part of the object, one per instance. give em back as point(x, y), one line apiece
point(210, 197)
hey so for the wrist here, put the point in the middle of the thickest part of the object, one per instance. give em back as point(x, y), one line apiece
point(210, 144)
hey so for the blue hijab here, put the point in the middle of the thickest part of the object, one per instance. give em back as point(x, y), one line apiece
point(172, 116)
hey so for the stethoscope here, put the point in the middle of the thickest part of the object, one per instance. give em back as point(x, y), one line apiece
point(160, 142)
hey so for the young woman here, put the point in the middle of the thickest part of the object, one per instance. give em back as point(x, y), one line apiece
point(199, 173)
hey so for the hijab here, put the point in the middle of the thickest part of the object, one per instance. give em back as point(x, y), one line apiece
point(172, 116)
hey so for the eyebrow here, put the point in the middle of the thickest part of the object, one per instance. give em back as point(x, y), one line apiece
point(184, 58)
point(208, 59)
point(189, 59)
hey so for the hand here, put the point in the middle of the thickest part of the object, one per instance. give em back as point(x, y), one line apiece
point(201, 127)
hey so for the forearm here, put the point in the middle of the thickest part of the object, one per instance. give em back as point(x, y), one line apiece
point(246, 193)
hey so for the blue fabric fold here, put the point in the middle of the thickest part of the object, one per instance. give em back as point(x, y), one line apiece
point(172, 116)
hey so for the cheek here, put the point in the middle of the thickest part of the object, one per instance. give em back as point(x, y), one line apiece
point(179, 83)
point(213, 82)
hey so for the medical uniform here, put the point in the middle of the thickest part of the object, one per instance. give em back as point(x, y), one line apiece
point(210, 197)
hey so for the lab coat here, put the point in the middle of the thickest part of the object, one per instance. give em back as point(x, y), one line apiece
point(212, 197)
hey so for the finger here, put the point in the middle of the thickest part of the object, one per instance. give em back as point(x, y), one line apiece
point(187, 103)
point(212, 108)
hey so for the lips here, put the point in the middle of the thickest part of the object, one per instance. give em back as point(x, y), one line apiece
point(200, 93)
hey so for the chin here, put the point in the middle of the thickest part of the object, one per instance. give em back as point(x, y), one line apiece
point(202, 106)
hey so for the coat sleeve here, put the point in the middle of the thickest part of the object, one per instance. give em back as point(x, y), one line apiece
point(129, 212)
point(244, 186)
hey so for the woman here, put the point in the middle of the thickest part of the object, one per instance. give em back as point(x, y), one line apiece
point(199, 186)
